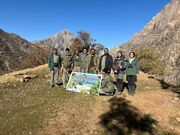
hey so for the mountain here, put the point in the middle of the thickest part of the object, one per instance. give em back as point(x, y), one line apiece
point(59, 40)
point(162, 35)
point(18, 53)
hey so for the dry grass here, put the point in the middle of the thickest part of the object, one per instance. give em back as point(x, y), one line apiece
point(35, 108)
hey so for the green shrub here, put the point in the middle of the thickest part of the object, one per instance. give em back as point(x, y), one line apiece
point(150, 61)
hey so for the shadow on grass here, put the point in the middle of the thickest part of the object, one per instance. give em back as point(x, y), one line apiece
point(125, 119)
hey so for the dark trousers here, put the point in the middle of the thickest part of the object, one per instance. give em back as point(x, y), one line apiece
point(119, 83)
point(131, 84)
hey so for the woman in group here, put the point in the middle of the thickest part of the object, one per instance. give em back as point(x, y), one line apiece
point(132, 69)
point(119, 67)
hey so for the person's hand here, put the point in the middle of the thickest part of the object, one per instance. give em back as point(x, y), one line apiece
point(97, 69)
point(119, 65)
point(115, 71)
point(109, 71)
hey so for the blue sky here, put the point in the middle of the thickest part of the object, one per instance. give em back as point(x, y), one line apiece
point(111, 22)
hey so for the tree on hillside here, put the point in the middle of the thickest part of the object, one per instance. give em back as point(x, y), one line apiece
point(84, 37)
point(84, 40)
point(99, 47)
point(76, 45)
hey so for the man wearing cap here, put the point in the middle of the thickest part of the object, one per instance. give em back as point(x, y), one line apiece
point(77, 62)
point(67, 66)
point(84, 63)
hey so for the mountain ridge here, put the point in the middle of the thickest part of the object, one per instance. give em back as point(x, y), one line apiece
point(161, 35)
point(18, 53)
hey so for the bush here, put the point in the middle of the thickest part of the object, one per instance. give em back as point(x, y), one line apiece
point(150, 61)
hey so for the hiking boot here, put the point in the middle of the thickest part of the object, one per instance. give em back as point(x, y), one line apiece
point(117, 92)
point(57, 85)
point(52, 85)
point(131, 93)
point(111, 94)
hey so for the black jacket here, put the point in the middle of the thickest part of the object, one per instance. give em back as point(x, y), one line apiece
point(108, 62)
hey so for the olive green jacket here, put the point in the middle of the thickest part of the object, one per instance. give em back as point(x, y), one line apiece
point(133, 68)
point(77, 61)
point(96, 60)
point(107, 84)
point(84, 61)
point(67, 61)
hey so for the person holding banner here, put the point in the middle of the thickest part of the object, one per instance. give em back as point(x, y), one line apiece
point(84, 65)
point(92, 62)
point(67, 66)
point(107, 86)
point(77, 62)
point(106, 61)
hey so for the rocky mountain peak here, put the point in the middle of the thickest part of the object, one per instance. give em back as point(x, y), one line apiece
point(64, 32)
point(59, 40)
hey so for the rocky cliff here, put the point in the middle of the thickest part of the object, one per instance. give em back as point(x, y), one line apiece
point(59, 40)
point(163, 35)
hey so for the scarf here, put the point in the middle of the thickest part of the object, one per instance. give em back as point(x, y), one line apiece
point(131, 60)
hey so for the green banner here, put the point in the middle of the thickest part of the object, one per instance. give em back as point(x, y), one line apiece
point(84, 83)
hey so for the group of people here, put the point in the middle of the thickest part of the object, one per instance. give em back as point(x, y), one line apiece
point(85, 62)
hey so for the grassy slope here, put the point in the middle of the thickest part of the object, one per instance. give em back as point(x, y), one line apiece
point(34, 108)
point(25, 108)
